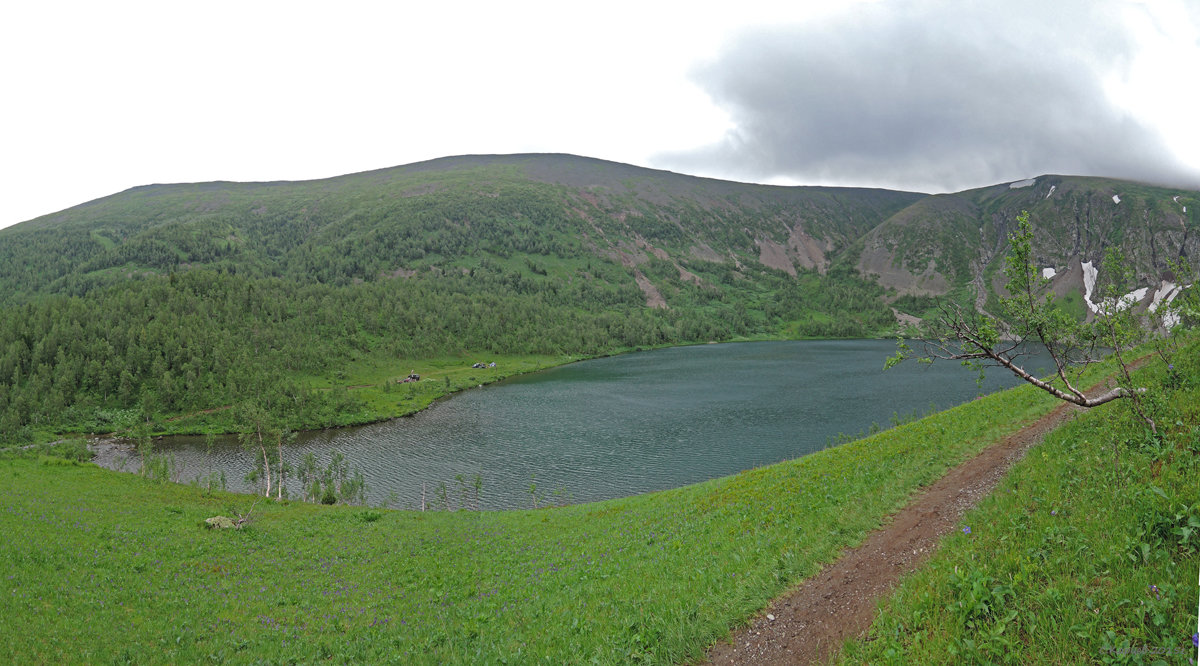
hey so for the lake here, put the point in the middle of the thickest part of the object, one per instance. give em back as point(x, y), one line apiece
point(623, 425)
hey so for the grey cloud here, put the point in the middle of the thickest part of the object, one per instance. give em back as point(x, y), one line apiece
point(931, 96)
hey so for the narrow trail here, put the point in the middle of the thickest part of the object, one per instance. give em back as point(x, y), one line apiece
point(811, 621)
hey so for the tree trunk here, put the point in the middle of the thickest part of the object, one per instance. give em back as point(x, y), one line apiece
point(266, 465)
point(279, 486)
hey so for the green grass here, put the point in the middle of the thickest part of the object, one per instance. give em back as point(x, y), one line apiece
point(1076, 558)
point(103, 567)
point(1072, 303)
point(104, 241)
point(112, 567)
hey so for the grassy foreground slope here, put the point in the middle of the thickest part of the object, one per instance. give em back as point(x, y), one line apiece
point(102, 567)
point(1077, 557)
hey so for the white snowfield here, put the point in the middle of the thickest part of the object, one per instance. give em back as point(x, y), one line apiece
point(1163, 296)
point(1166, 293)
point(1049, 273)
point(1089, 284)
point(1022, 183)
point(1107, 305)
point(1116, 199)
point(1051, 191)
point(1113, 306)
point(1132, 298)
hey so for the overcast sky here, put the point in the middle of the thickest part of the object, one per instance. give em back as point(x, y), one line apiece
point(929, 96)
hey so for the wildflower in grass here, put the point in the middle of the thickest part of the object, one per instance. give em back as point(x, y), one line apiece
point(966, 529)
point(1054, 513)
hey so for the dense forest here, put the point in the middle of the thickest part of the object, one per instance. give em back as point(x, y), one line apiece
point(442, 215)
point(202, 338)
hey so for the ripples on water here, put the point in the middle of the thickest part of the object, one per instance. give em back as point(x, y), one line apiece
point(624, 425)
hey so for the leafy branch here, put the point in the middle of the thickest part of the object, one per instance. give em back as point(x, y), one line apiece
point(1029, 318)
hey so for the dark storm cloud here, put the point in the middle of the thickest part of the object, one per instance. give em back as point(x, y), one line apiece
point(932, 96)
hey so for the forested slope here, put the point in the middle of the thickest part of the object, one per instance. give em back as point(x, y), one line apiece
point(178, 298)
point(170, 299)
point(446, 214)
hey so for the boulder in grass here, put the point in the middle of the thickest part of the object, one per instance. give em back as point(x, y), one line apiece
point(219, 522)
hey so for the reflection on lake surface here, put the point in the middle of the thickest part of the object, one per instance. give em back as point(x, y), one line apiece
point(624, 425)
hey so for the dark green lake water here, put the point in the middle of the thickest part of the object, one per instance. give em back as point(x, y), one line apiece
point(628, 424)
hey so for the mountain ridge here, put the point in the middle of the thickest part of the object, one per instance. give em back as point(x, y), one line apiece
point(913, 243)
point(585, 197)
point(931, 246)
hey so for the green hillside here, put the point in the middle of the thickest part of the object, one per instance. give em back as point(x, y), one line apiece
point(222, 307)
point(546, 214)
point(175, 299)
point(172, 301)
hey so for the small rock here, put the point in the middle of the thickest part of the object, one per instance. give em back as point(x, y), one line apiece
point(219, 522)
point(770, 618)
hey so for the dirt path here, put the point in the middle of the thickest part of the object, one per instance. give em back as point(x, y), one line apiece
point(811, 621)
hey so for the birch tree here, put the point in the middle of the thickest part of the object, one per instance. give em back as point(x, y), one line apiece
point(1029, 319)
point(263, 437)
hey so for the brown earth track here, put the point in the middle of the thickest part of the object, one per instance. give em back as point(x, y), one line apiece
point(811, 621)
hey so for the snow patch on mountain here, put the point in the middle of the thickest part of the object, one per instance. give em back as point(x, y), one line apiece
point(1163, 297)
point(1089, 284)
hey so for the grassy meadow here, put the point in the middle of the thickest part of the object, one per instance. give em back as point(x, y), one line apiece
point(100, 567)
point(1087, 552)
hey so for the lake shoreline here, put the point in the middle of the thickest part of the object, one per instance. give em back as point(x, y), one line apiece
point(623, 424)
point(200, 428)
